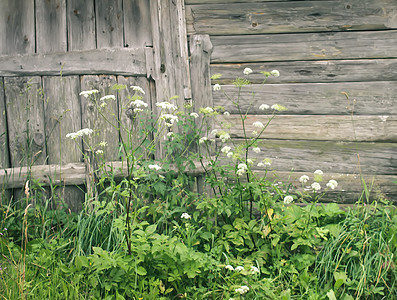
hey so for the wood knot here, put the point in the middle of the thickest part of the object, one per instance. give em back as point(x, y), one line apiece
point(254, 24)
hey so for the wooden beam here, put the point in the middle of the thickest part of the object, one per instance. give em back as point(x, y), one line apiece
point(90, 62)
point(305, 46)
point(372, 98)
point(361, 70)
point(316, 128)
point(292, 16)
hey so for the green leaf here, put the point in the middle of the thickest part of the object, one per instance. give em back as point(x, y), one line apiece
point(150, 229)
point(141, 271)
point(331, 295)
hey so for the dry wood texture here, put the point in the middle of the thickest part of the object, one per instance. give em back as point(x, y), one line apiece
point(372, 98)
point(137, 25)
point(106, 61)
point(291, 16)
point(305, 46)
point(109, 22)
point(4, 155)
point(17, 26)
point(316, 128)
point(81, 25)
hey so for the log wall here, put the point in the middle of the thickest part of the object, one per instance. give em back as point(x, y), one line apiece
point(324, 50)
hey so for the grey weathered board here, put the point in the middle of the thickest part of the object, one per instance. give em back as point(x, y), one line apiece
point(361, 70)
point(25, 120)
point(372, 98)
point(104, 61)
point(17, 25)
point(328, 156)
point(317, 127)
point(305, 46)
point(62, 116)
point(292, 16)
point(236, 1)
point(94, 119)
point(137, 23)
point(109, 22)
point(51, 26)
point(4, 155)
point(81, 25)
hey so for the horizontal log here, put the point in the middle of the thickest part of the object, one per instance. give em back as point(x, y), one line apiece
point(316, 128)
point(292, 16)
point(304, 46)
point(69, 174)
point(372, 98)
point(188, 2)
point(90, 62)
point(362, 70)
point(329, 156)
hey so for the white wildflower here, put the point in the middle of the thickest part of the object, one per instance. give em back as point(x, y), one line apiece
point(247, 71)
point(242, 290)
point(240, 172)
point(318, 175)
point(214, 132)
point(103, 143)
point(254, 270)
point(242, 166)
point(288, 199)
point(256, 149)
point(217, 87)
point(229, 267)
point(194, 115)
point(166, 105)
point(226, 149)
point(224, 137)
point(278, 107)
point(254, 132)
point(304, 179)
point(258, 125)
point(332, 184)
point(261, 165)
point(206, 110)
point(226, 113)
point(137, 89)
point(229, 154)
point(138, 110)
point(138, 104)
point(203, 140)
point(88, 93)
point(275, 73)
point(154, 167)
point(80, 133)
point(169, 119)
point(250, 161)
point(316, 186)
point(264, 107)
point(170, 134)
point(186, 216)
point(99, 151)
point(108, 97)
point(318, 172)
point(267, 161)
point(239, 268)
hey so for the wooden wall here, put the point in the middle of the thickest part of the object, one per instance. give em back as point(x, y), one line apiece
point(323, 50)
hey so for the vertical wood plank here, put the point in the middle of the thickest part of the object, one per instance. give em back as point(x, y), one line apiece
point(92, 118)
point(109, 22)
point(81, 25)
point(62, 116)
point(51, 26)
point(137, 25)
point(17, 26)
point(5, 194)
point(131, 123)
point(25, 118)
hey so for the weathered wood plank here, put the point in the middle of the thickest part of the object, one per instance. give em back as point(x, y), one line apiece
point(305, 46)
point(95, 120)
point(190, 2)
point(109, 22)
point(51, 26)
point(319, 128)
point(131, 131)
point(25, 118)
point(81, 25)
point(17, 26)
point(62, 116)
point(348, 190)
point(292, 16)
point(137, 24)
point(372, 98)
point(328, 156)
point(368, 70)
point(105, 61)
point(4, 155)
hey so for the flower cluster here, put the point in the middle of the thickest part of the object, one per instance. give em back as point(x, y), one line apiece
point(318, 177)
point(194, 115)
point(264, 107)
point(247, 71)
point(258, 125)
point(278, 107)
point(207, 110)
point(137, 105)
point(265, 162)
point(217, 87)
point(186, 216)
point(88, 93)
point(288, 200)
point(137, 89)
point(166, 105)
point(169, 119)
point(154, 167)
point(241, 169)
point(80, 133)
point(242, 290)
point(108, 97)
